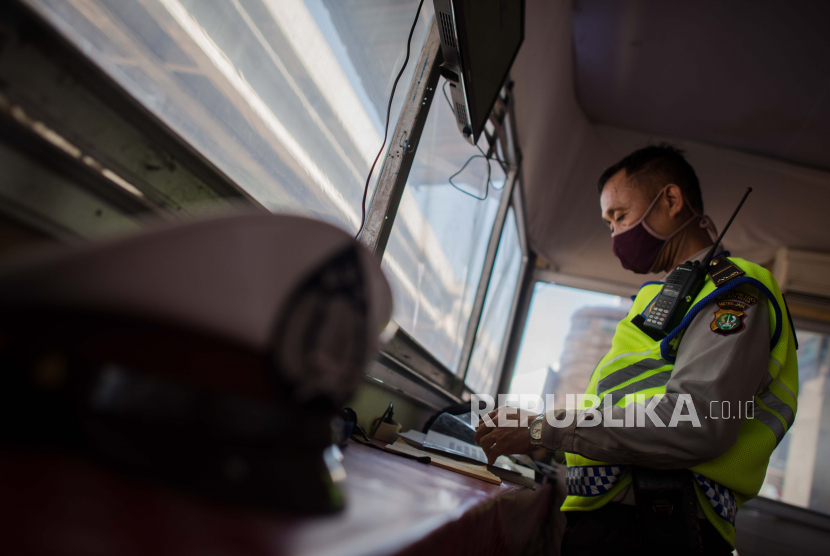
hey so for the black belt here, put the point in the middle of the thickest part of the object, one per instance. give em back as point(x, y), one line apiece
point(667, 510)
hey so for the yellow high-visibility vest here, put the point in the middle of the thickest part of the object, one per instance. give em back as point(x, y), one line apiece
point(638, 364)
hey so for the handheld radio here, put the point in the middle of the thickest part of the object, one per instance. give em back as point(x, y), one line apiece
point(682, 286)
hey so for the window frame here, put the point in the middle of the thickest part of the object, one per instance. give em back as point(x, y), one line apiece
point(403, 349)
point(402, 365)
point(58, 82)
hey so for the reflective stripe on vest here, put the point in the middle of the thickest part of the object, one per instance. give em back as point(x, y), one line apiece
point(627, 373)
point(772, 410)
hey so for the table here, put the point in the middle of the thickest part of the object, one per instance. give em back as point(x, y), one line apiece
point(59, 504)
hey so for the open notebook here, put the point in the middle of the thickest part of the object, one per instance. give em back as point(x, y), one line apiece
point(470, 469)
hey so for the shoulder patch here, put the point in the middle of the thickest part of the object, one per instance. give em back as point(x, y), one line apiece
point(729, 318)
point(736, 299)
point(728, 321)
point(722, 270)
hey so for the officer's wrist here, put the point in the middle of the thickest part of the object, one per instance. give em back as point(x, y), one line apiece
point(558, 430)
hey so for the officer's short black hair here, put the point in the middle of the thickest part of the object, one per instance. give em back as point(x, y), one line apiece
point(654, 167)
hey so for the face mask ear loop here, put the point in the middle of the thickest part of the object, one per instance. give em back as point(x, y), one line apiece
point(667, 238)
point(644, 216)
point(674, 233)
point(706, 222)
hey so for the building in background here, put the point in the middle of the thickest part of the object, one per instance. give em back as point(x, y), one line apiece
point(551, 381)
point(568, 331)
point(797, 469)
point(588, 340)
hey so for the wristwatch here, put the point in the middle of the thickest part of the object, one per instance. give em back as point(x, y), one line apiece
point(535, 430)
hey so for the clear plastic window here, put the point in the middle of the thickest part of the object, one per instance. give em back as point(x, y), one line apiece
point(798, 467)
point(495, 316)
point(568, 330)
point(287, 97)
point(435, 255)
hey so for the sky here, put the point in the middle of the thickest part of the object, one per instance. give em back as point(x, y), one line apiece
point(547, 326)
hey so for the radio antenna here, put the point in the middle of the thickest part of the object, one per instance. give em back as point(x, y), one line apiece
point(708, 258)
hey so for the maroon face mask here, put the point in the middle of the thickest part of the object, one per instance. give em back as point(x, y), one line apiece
point(638, 247)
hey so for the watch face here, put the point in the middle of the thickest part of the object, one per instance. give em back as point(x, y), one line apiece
point(536, 430)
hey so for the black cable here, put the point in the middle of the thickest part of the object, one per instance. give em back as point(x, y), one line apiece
point(449, 103)
point(495, 157)
point(386, 128)
point(487, 186)
point(488, 168)
point(444, 88)
point(483, 155)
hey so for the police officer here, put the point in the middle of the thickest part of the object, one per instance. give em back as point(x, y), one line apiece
point(711, 402)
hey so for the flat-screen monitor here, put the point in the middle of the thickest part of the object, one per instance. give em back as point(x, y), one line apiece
point(479, 41)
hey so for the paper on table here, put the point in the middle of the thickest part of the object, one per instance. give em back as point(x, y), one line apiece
point(454, 446)
point(437, 441)
point(415, 438)
point(468, 469)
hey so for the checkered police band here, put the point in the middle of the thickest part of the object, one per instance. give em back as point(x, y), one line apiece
point(720, 498)
point(593, 480)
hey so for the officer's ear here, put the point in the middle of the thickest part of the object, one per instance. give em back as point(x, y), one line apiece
point(674, 200)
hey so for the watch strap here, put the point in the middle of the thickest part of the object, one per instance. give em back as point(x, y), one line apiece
point(533, 441)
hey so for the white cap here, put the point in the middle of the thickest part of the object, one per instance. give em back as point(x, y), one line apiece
point(229, 277)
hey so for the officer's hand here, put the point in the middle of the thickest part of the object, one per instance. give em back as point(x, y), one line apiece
point(501, 432)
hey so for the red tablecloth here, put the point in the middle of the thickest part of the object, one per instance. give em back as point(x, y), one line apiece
point(57, 504)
